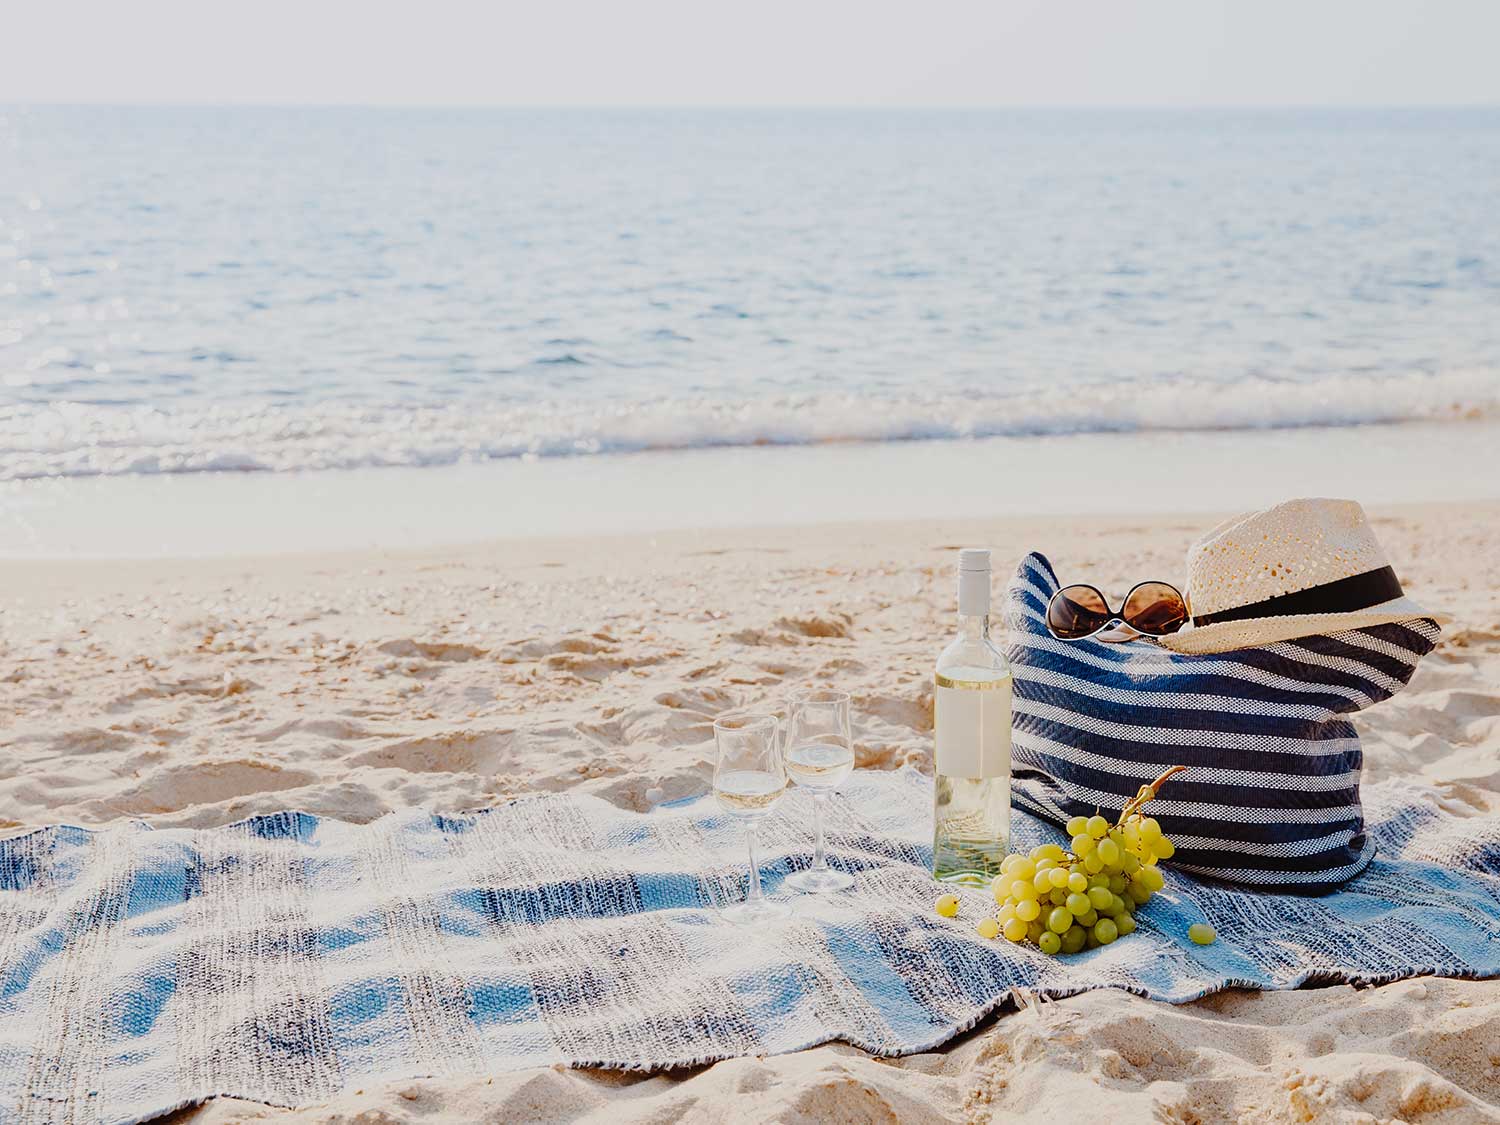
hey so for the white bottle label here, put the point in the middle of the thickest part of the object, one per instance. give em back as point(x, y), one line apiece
point(973, 730)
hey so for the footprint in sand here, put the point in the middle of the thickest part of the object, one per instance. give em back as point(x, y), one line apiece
point(444, 652)
point(457, 751)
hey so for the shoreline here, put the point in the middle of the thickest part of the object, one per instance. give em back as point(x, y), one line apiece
point(268, 514)
point(585, 553)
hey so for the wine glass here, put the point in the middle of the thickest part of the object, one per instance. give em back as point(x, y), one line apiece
point(820, 758)
point(749, 778)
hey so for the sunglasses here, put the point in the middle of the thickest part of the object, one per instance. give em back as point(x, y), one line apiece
point(1153, 608)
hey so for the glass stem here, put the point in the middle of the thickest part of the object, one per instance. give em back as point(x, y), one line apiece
point(754, 895)
point(820, 861)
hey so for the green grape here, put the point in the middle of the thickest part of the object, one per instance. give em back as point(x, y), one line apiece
point(1058, 896)
point(1140, 894)
point(1006, 913)
point(1059, 876)
point(1092, 863)
point(1150, 830)
point(1073, 940)
point(1008, 863)
point(1034, 930)
point(1023, 869)
point(1164, 848)
point(1117, 883)
point(1045, 864)
point(1022, 889)
point(1078, 881)
point(1106, 931)
point(1130, 863)
point(988, 927)
point(1089, 940)
point(1117, 906)
point(1099, 880)
point(1125, 924)
point(1059, 920)
point(1087, 918)
point(1077, 824)
point(1083, 843)
point(1052, 852)
point(1015, 930)
point(1132, 833)
point(1077, 903)
point(1151, 878)
point(1100, 897)
point(1108, 851)
point(1041, 883)
point(1201, 933)
point(1028, 910)
point(1097, 826)
point(1049, 943)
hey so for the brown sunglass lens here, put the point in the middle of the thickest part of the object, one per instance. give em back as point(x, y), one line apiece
point(1155, 608)
point(1077, 611)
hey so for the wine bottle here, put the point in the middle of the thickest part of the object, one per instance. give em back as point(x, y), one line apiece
point(972, 705)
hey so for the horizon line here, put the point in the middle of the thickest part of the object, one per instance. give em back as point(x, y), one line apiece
point(750, 106)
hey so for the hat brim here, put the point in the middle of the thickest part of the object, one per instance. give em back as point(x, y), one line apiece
point(1226, 636)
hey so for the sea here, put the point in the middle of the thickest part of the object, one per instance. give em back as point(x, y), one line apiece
point(321, 297)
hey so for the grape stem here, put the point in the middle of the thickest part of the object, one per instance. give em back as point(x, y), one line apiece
point(1144, 794)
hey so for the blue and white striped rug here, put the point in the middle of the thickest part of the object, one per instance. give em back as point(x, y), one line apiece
point(288, 957)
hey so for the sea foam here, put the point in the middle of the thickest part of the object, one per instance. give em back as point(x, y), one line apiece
point(72, 439)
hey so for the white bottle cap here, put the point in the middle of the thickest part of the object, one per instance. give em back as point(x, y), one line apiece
point(974, 582)
point(974, 558)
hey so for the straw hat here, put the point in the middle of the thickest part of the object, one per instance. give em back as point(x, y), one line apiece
point(1299, 569)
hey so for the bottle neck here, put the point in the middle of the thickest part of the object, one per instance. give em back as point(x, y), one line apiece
point(973, 593)
point(974, 626)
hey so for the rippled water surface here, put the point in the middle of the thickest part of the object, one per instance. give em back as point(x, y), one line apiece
point(185, 289)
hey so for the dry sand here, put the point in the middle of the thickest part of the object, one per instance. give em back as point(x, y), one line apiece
point(196, 693)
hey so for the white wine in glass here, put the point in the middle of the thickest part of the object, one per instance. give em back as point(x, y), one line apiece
point(749, 778)
point(820, 758)
point(815, 765)
point(748, 792)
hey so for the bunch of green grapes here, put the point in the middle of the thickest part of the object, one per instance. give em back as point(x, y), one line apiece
point(1063, 901)
point(1066, 901)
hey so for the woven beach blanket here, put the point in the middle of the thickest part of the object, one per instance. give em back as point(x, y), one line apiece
point(287, 957)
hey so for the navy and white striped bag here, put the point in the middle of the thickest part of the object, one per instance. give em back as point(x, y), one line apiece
point(1271, 796)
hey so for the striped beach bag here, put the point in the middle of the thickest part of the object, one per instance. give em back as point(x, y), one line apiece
point(1271, 794)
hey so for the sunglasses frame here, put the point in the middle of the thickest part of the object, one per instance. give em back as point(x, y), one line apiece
point(1113, 616)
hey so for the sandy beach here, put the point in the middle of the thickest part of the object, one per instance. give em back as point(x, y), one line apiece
point(199, 692)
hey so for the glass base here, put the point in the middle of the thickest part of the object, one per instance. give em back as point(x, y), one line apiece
point(818, 882)
point(752, 913)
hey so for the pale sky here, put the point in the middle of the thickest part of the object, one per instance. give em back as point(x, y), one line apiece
point(761, 52)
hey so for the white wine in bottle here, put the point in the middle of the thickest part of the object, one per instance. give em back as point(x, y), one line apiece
point(972, 701)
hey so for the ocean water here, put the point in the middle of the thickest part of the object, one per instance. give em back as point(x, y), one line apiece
point(186, 290)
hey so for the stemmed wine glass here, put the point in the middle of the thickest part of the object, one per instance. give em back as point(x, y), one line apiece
point(749, 778)
point(820, 757)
